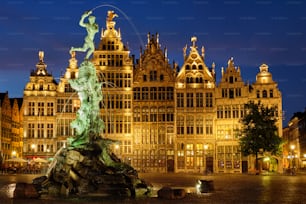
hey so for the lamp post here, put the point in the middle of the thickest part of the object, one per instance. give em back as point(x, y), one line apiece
point(14, 153)
point(33, 149)
point(205, 153)
point(292, 147)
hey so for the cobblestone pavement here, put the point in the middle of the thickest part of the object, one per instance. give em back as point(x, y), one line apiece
point(228, 188)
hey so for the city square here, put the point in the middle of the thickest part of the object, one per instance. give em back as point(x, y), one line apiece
point(126, 126)
point(228, 188)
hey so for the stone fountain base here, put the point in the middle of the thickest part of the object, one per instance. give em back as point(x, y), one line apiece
point(90, 171)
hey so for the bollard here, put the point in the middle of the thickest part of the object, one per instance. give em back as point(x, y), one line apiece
point(205, 186)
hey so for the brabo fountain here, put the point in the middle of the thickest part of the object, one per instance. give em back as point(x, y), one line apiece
point(87, 167)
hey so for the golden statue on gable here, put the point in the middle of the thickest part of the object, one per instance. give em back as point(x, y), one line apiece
point(111, 15)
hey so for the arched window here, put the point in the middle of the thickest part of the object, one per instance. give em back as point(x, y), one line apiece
point(187, 67)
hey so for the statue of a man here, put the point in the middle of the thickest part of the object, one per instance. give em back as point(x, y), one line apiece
point(92, 28)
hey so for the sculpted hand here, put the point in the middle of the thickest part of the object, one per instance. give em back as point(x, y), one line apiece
point(87, 13)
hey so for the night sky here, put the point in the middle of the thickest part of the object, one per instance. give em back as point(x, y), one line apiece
point(253, 32)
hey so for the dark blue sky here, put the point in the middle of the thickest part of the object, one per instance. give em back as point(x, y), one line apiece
point(253, 32)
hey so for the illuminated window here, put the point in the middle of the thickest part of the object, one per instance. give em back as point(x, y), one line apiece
point(189, 124)
point(180, 156)
point(224, 93)
point(238, 92)
point(127, 124)
point(209, 100)
point(40, 130)
point(40, 148)
point(136, 93)
point(162, 135)
point(145, 114)
point(50, 107)
point(161, 93)
point(170, 115)
point(169, 93)
point(153, 114)
point(49, 130)
point(189, 100)
point(189, 156)
point(209, 126)
point(136, 114)
point(199, 125)
point(127, 147)
point(220, 112)
point(153, 75)
point(31, 129)
point(235, 111)
point(145, 93)
point(227, 112)
point(153, 93)
point(180, 125)
point(180, 100)
point(31, 108)
point(41, 108)
point(199, 100)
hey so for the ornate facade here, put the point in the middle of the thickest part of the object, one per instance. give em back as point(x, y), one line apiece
point(115, 69)
point(165, 120)
point(153, 109)
point(39, 112)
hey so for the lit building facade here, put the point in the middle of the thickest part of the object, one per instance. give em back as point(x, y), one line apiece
point(11, 129)
point(39, 98)
point(164, 120)
point(115, 70)
point(294, 153)
point(153, 110)
point(194, 113)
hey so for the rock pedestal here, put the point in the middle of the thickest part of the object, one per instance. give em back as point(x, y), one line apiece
point(81, 172)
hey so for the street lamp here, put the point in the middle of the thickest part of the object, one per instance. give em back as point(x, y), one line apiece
point(33, 147)
point(14, 153)
point(205, 153)
point(292, 147)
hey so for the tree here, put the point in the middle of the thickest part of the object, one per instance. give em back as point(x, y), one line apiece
point(259, 132)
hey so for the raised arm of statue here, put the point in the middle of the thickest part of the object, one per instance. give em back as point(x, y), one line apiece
point(86, 14)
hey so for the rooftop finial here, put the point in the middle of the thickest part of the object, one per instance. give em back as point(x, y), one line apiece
point(193, 40)
point(41, 56)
